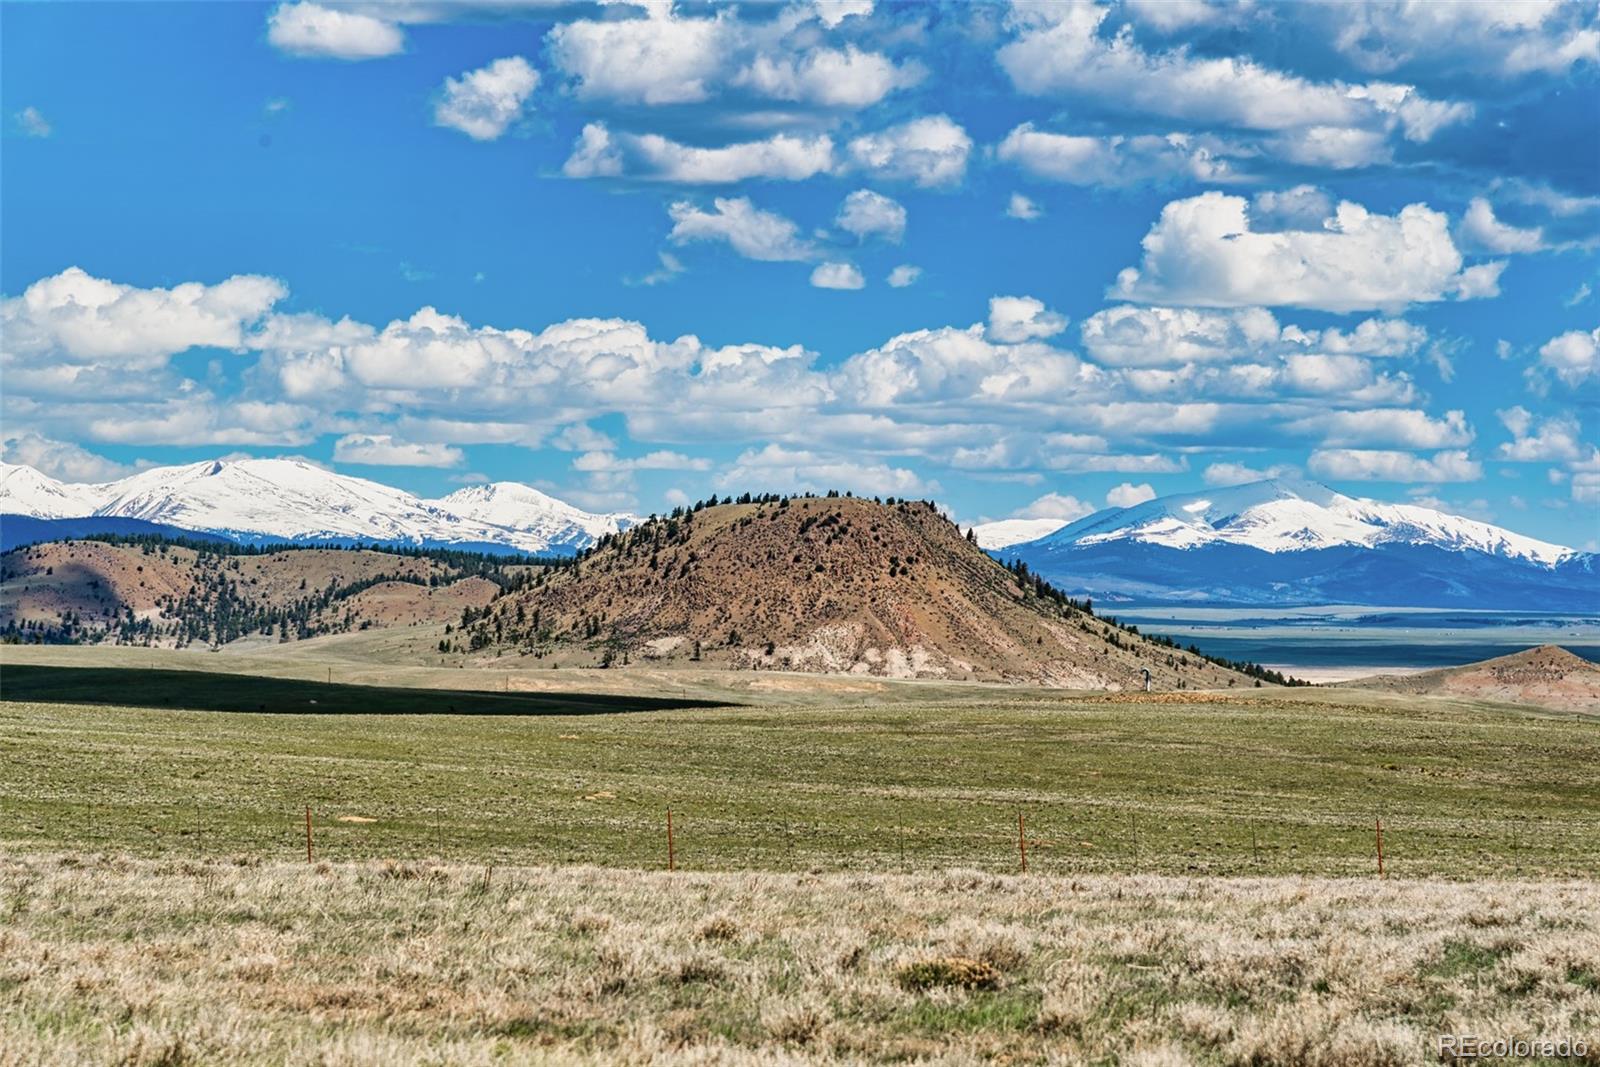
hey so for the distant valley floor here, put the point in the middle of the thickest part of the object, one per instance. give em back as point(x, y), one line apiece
point(1337, 643)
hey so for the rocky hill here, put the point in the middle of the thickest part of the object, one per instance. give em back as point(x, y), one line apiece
point(822, 584)
point(1548, 677)
point(157, 593)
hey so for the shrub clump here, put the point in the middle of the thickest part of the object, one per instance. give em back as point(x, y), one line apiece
point(959, 971)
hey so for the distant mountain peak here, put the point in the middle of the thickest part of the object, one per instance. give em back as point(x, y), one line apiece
point(1287, 541)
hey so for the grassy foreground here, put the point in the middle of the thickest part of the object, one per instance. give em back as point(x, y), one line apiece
point(1260, 783)
point(487, 886)
point(145, 962)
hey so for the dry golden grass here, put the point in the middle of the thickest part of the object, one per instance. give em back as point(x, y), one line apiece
point(114, 960)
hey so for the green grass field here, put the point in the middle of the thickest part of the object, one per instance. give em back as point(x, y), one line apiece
point(928, 777)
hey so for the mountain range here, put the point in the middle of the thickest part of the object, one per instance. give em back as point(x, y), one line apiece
point(255, 501)
point(1287, 542)
point(1280, 542)
point(811, 584)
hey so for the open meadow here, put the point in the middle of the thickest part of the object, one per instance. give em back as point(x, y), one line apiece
point(167, 962)
point(489, 885)
point(833, 774)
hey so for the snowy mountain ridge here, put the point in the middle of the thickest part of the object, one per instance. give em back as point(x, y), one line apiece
point(1281, 543)
point(1281, 515)
point(292, 500)
point(526, 510)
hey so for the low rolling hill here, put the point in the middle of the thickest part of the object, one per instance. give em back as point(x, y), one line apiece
point(833, 584)
point(1548, 676)
point(168, 594)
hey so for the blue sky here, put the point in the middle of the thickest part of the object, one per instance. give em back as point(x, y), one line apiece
point(1026, 259)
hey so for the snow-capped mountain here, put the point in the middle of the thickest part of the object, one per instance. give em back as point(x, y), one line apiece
point(1287, 516)
point(24, 491)
point(1003, 533)
point(1294, 542)
point(526, 510)
point(259, 500)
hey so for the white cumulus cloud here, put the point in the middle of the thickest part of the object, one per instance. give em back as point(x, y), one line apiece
point(1574, 356)
point(1506, 40)
point(382, 450)
point(484, 103)
point(77, 317)
point(308, 29)
point(663, 460)
point(601, 153)
point(61, 460)
point(1131, 336)
point(829, 77)
point(903, 275)
point(1405, 427)
point(1022, 318)
point(832, 12)
point(666, 58)
point(1241, 474)
point(1302, 207)
point(1333, 147)
point(866, 213)
point(1021, 207)
point(661, 59)
point(1127, 494)
point(1553, 440)
point(1055, 506)
point(776, 467)
point(1060, 50)
point(930, 151)
point(752, 232)
point(1361, 465)
point(837, 276)
point(1481, 231)
point(1115, 160)
point(1203, 251)
point(1170, 16)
